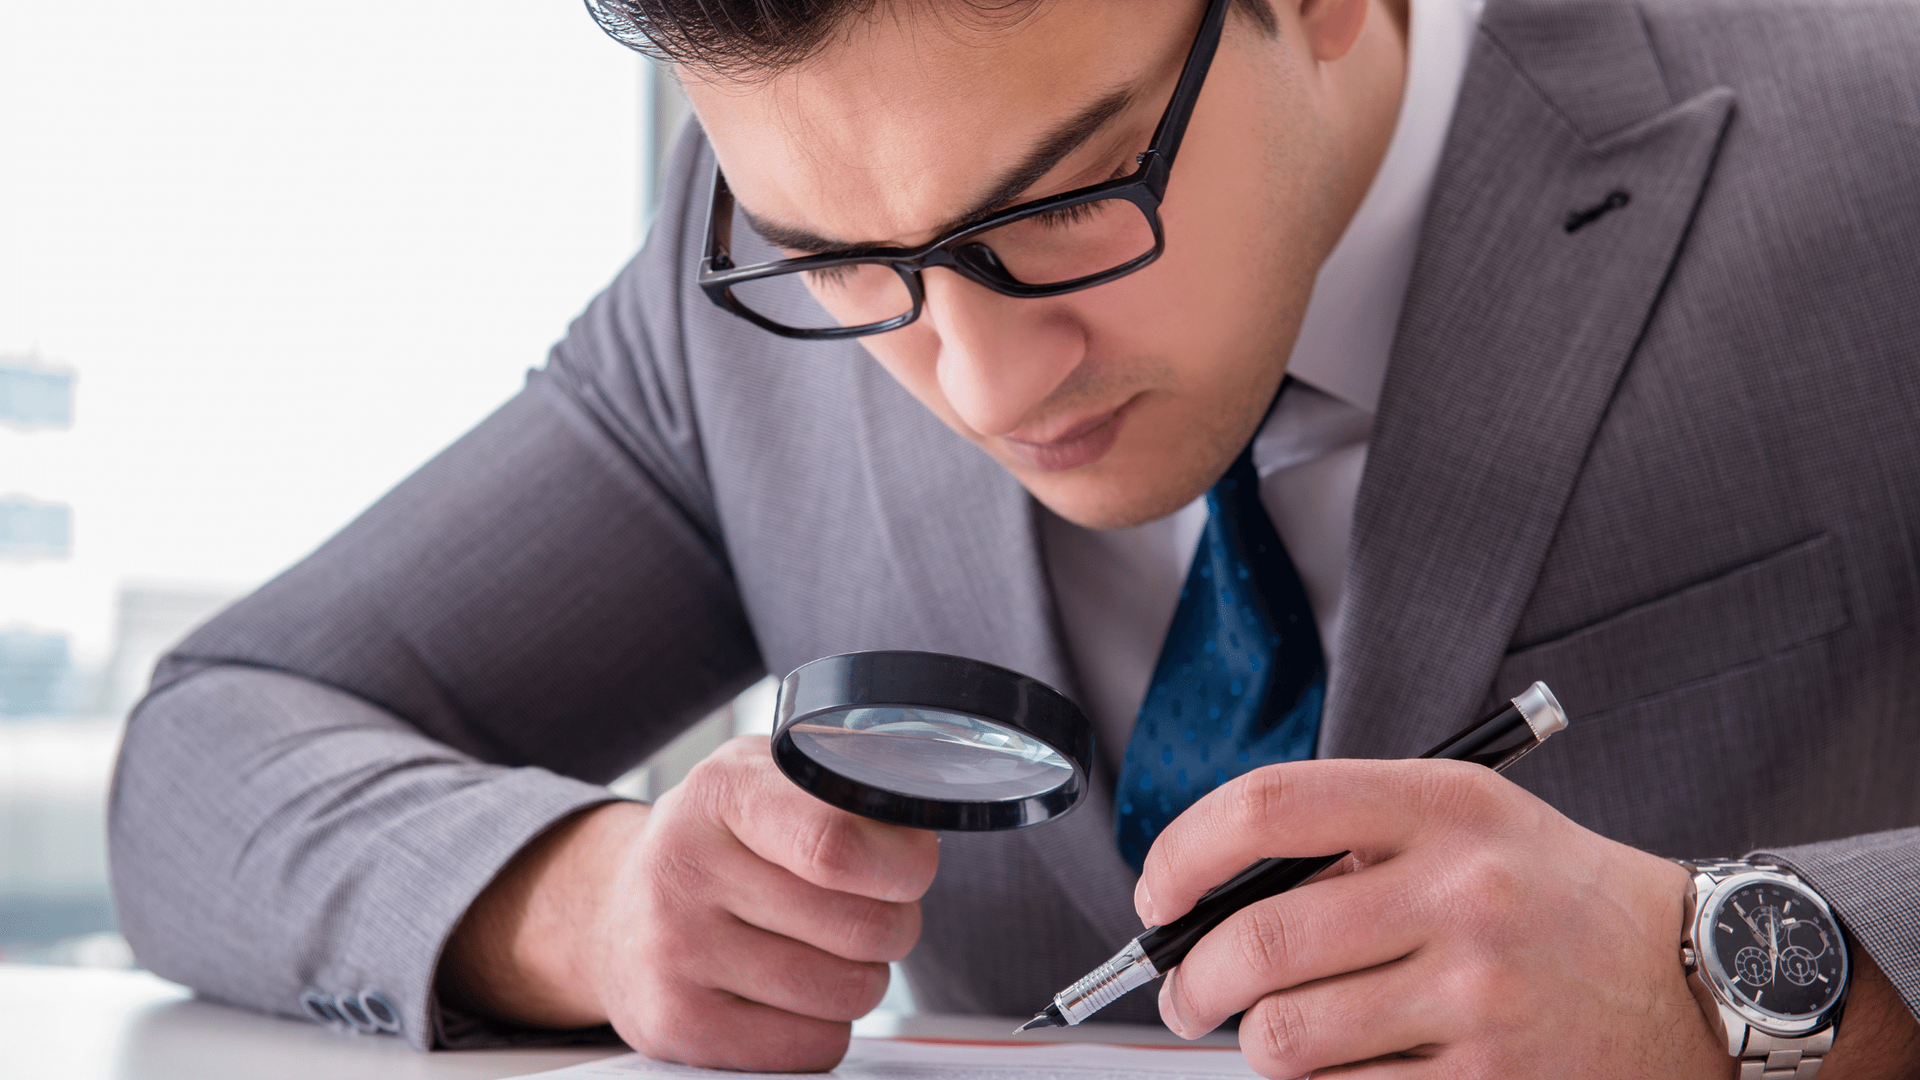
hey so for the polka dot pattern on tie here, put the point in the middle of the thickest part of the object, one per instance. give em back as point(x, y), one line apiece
point(1241, 678)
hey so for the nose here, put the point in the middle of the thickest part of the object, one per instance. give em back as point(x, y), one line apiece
point(999, 356)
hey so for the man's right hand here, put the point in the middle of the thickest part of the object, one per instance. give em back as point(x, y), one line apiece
point(738, 922)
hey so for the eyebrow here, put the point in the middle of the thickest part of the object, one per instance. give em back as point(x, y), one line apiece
point(1063, 140)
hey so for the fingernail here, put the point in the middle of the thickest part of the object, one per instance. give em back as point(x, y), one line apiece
point(1143, 903)
point(1169, 1010)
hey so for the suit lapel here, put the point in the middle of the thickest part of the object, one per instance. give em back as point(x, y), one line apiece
point(1514, 335)
point(967, 535)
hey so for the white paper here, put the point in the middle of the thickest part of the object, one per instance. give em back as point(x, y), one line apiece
point(907, 1059)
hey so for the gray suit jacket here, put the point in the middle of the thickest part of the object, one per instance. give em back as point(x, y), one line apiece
point(1667, 462)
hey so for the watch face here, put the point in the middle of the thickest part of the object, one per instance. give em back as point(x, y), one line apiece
point(1780, 952)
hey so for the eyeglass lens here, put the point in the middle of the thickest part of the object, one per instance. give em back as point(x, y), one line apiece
point(1044, 249)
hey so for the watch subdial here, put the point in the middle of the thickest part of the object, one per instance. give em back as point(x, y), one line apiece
point(1799, 965)
point(1750, 966)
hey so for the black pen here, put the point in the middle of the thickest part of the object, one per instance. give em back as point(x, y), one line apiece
point(1496, 742)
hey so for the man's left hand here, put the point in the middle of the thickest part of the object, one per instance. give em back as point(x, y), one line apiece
point(1475, 931)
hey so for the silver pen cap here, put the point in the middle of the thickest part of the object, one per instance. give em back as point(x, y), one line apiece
point(1542, 710)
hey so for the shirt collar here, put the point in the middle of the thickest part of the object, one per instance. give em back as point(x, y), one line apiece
point(1347, 333)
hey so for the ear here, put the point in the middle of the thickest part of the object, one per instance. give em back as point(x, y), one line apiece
point(1332, 26)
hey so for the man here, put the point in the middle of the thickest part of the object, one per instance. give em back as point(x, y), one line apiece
point(1600, 317)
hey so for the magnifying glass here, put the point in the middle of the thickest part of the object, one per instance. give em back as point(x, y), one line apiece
point(931, 740)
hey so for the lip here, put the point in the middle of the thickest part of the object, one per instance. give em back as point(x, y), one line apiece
point(1083, 443)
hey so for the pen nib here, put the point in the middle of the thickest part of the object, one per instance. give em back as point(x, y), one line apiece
point(1049, 1018)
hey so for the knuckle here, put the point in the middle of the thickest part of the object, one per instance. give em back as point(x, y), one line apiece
point(828, 847)
point(1482, 995)
point(1250, 800)
point(729, 774)
point(710, 770)
point(679, 950)
point(1261, 798)
point(1445, 793)
point(864, 990)
point(664, 1023)
point(685, 1020)
point(677, 861)
point(1486, 886)
point(706, 791)
point(879, 931)
point(808, 1046)
point(838, 991)
point(1263, 939)
point(1281, 1035)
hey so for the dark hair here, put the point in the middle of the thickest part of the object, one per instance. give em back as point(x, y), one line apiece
point(742, 36)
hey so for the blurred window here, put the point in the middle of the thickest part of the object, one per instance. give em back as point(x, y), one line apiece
point(257, 263)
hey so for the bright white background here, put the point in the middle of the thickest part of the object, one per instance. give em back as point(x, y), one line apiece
point(291, 250)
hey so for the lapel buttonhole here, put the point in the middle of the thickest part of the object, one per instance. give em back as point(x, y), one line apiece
point(1580, 219)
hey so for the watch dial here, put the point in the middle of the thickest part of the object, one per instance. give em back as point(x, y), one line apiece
point(1780, 952)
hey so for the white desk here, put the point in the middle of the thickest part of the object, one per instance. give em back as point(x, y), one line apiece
point(76, 1024)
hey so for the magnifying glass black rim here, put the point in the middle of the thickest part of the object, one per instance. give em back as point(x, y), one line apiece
point(935, 681)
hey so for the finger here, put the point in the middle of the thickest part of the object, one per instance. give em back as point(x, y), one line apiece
point(1388, 1067)
point(1303, 809)
point(717, 1030)
point(1346, 864)
point(1328, 928)
point(847, 925)
point(785, 974)
point(819, 843)
point(1364, 1018)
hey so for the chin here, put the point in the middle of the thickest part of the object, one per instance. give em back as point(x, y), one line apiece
point(1141, 480)
point(1110, 502)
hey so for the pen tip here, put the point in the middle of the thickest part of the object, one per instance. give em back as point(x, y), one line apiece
point(1049, 1018)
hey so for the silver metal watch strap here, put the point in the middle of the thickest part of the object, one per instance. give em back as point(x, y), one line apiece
point(1725, 868)
point(1777, 1059)
point(1769, 1057)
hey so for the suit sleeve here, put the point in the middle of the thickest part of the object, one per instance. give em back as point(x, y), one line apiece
point(1873, 883)
point(324, 777)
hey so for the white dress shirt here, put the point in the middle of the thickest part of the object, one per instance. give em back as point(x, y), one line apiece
point(1117, 588)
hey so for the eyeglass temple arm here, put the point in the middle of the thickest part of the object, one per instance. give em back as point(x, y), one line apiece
point(1173, 124)
point(718, 249)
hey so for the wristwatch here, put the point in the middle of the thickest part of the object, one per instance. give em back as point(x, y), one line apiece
point(1765, 959)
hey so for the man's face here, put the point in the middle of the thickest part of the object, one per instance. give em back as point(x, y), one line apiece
point(1120, 403)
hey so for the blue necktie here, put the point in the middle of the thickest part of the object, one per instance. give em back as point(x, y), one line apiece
point(1240, 679)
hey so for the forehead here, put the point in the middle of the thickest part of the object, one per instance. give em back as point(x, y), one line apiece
point(911, 112)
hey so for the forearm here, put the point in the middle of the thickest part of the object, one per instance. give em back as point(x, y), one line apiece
point(524, 951)
point(271, 837)
point(1878, 1037)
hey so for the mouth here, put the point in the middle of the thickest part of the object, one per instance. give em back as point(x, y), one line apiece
point(1082, 443)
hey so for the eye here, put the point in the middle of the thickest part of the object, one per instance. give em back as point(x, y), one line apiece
point(1067, 215)
point(830, 275)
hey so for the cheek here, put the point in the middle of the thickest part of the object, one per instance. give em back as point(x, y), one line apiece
point(1233, 260)
point(1248, 217)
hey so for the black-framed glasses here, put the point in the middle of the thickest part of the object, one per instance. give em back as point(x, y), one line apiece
point(1059, 244)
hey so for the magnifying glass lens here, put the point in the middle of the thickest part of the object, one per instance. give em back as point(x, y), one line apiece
point(931, 741)
point(927, 753)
